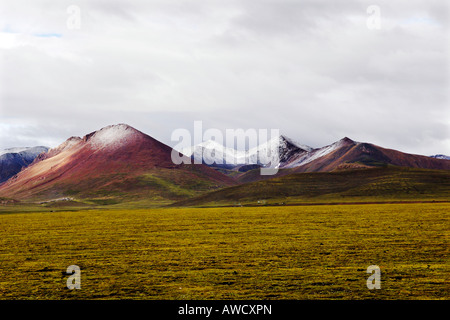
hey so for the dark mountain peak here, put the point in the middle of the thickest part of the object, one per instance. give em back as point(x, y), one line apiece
point(290, 142)
point(283, 137)
point(73, 139)
point(347, 139)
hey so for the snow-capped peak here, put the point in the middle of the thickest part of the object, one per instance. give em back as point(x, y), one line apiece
point(318, 153)
point(110, 136)
point(274, 151)
point(296, 143)
point(210, 144)
point(12, 150)
point(440, 156)
point(32, 151)
point(279, 151)
point(212, 152)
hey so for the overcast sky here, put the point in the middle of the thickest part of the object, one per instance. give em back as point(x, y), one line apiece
point(317, 70)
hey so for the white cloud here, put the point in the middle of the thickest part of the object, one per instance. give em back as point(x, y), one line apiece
point(310, 68)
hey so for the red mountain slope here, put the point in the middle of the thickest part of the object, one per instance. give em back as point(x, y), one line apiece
point(348, 154)
point(114, 161)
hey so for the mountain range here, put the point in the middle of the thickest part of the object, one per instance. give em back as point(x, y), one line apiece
point(342, 154)
point(119, 163)
point(115, 162)
point(441, 156)
point(13, 160)
point(280, 149)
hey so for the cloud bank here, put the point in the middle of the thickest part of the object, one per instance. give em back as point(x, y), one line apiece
point(313, 69)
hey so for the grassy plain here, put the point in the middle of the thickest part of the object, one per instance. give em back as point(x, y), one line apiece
point(292, 252)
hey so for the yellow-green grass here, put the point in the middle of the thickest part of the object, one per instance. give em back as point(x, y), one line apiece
point(307, 252)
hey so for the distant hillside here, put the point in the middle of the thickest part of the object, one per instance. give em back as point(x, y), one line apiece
point(440, 156)
point(12, 160)
point(116, 163)
point(350, 154)
point(291, 156)
point(376, 184)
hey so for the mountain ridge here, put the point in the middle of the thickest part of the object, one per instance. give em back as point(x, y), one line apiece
point(344, 153)
point(115, 160)
point(440, 156)
point(121, 163)
point(13, 160)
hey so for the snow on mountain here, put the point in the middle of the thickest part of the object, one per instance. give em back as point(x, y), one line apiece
point(212, 152)
point(295, 143)
point(318, 153)
point(440, 156)
point(27, 152)
point(116, 160)
point(276, 151)
point(112, 136)
point(12, 160)
point(108, 137)
point(12, 150)
point(280, 152)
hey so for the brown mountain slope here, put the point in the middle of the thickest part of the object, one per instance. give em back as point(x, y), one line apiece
point(347, 154)
point(351, 154)
point(115, 162)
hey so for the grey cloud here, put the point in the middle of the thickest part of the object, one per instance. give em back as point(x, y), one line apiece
point(310, 68)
